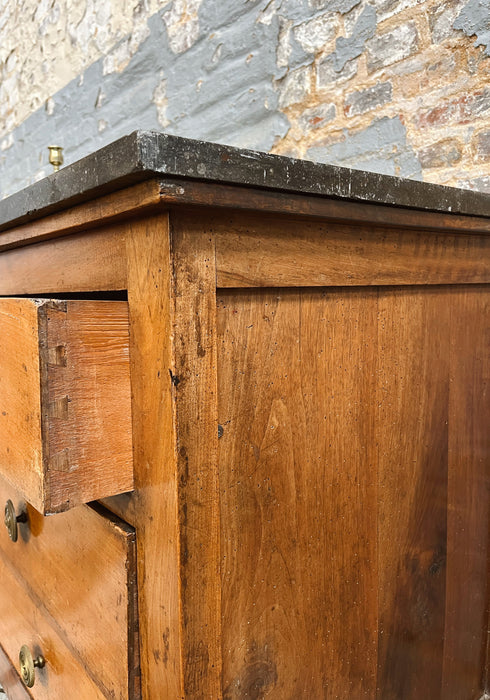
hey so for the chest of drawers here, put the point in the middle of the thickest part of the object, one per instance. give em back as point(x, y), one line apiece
point(244, 431)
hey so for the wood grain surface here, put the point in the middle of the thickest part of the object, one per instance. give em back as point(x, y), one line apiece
point(154, 505)
point(22, 622)
point(115, 206)
point(467, 604)
point(78, 570)
point(195, 384)
point(298, 493)
point(215, 195)
point(21, 448)
point(413, 393)
point(354, 492)
point(268, 251)
point(76, 263)
point(65, 423)
point(11, 680)
point(88, 402)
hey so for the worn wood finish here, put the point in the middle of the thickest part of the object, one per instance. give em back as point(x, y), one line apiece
point(65, 428)
point(114, 206)
point(188, 192)
point(79, 570)
point(155, 503)
point(468, 494)
point(77, 263)
point(413, 394)
point(298, 493)
point(23, 622)
point(21, 449)
point(254, 251)
point(195, 382)
point(11, 681)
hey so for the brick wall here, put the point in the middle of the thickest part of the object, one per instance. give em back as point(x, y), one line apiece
point(395, 86)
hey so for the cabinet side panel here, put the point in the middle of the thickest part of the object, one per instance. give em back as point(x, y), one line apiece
point(467, 590)
point(413, 389)
point(298, 482)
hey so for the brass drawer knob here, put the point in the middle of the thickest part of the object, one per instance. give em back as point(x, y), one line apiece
point(28, 665)
point(11, 520)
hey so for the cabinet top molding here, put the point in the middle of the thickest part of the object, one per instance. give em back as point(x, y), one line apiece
point(143, 155)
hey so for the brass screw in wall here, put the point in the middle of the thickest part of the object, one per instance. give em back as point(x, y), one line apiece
point(56, 157)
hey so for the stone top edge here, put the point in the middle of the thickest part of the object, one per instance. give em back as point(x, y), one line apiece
point(145, 154)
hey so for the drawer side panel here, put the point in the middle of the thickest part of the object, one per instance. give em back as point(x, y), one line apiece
point(20, 397)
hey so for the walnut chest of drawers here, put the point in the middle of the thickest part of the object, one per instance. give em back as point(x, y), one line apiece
point(244, 431)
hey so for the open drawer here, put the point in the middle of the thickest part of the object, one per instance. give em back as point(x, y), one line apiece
point(65, 400)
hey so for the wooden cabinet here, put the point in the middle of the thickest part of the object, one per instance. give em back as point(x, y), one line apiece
point(291, 388)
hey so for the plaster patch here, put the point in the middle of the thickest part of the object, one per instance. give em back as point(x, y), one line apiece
point(347, 48)
point(342, 6)
point(381, 147)
point(474, 20)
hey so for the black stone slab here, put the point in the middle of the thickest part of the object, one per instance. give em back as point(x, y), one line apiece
point(146, 154)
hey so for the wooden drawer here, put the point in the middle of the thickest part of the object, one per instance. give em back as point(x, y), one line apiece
point(68, 591)
point(65, 400)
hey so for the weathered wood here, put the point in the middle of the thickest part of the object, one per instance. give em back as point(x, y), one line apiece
point(115, 206)
point(188, 192)
point(413, 394)
point(298, 493)
point(22, 622)
point(11, 681)
point(467, 590)
point(195, 382)
point(79, 570)
point(154, 446)
point(253, 251)
point(78, 263)
point(65, 424)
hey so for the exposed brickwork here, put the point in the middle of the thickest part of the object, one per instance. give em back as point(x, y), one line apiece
point(397, 86)
point(419, 70)
point(441, 154)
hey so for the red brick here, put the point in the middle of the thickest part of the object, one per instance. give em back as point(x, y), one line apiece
point(460, 110)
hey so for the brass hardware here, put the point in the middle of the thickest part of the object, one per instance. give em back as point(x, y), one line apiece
point(56, 157)
point(11, 520)
point(28, 665)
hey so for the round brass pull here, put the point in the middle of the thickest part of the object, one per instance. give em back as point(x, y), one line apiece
point(28, 665)
point(11, 520)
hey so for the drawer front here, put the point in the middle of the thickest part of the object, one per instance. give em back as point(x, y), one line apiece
point(65, 400)
point(22, 622)
point(78, 572)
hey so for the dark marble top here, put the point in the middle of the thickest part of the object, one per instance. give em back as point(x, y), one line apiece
point(146, 154)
